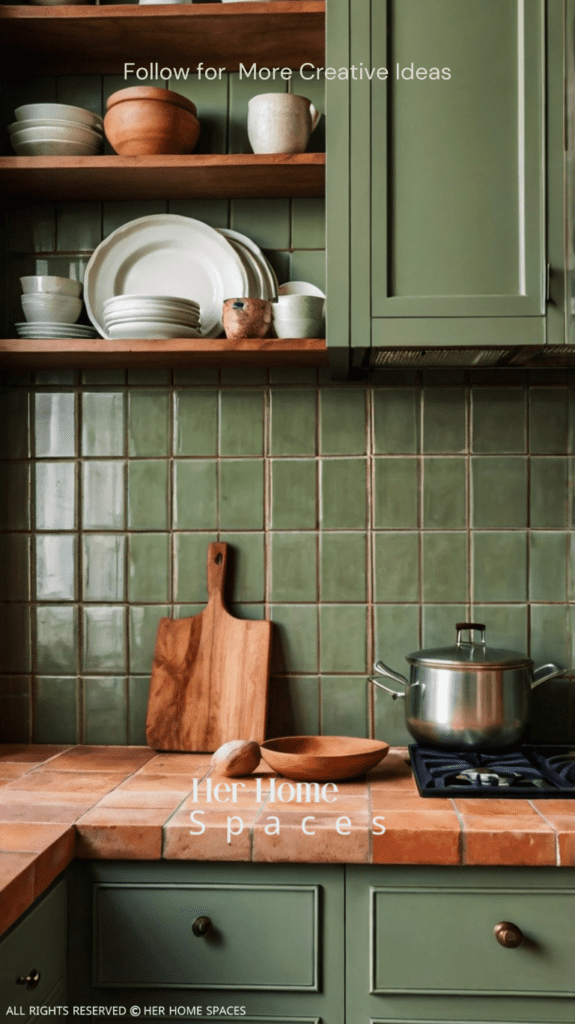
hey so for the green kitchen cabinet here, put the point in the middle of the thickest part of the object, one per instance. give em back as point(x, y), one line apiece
point(33, 958)
point(441, 157)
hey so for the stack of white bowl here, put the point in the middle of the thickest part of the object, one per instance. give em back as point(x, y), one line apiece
point(56, 129)
point(51, 306)
point(151, 316)
point(299, 316)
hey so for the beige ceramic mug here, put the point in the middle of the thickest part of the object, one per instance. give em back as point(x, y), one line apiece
point(280, 122)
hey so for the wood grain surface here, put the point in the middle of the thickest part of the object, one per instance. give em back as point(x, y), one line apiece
point(210, 674)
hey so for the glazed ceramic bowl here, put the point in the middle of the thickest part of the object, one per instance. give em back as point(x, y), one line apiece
point(298, 327)
point(60, 111)
point(322, 758)
point(49, 123)
point(293, 306)
point(42, 306)
point(143, 121)
point(80, 134)
point(52, 285)
point(54, 147)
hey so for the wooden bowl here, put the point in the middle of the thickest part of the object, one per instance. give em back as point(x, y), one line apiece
point(322, 758)
point(143, 121)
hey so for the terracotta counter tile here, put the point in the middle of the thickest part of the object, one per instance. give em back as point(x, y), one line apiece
point(405, 801)
point(393, 772)
point(566, 807)
point(212, 843)
point(17, 877)
point(29, 837)
point(29, 753)
point(60, 785)
point(512, 839)
point(492, 808)
point(53, 859)
point(102, 759)
point(418, 837)
point(13, 770)
point(177, 764)
point(42, 810)
point(121, 833)
point(563, 824)
point(325, 846)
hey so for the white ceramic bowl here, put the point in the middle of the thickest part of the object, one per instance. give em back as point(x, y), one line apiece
point(51, 122)
point(42, 306)
point(300, 288)
point(301, 328)
point(70, 133)
point(54, 147)
point(52, 285)
point(293, 306)
point(60, 111)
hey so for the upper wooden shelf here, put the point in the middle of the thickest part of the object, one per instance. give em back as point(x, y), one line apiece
point(210, 176)
point(100, 39)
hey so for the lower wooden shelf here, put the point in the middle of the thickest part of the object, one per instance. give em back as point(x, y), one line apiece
point(49, 353)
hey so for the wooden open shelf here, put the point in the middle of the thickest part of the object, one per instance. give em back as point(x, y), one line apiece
point(99, 40)
point(209, 176)
point(17, 353)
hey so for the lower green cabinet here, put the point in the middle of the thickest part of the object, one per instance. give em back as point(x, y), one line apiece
point(33, 958)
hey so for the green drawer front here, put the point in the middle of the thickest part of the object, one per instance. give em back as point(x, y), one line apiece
point(38, 941)
point(442, 941)
point(262, 937)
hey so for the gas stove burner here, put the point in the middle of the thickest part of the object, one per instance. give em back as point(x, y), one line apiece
point(524, 773)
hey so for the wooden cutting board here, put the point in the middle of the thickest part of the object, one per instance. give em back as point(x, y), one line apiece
point(209, 675)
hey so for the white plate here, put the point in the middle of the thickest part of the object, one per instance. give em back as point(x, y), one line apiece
point(143, 329)
point(165, 252)
point(119, 301)
point(264, 268)
point(45, 325)
point(35, 335)
point(300, 288)
point(165, 318)
point(51, 122)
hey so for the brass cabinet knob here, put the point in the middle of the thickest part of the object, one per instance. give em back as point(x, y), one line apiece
point(31, 980)
point(508, 934)
point(201, 926)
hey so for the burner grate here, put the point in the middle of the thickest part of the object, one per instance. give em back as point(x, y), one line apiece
point(528, 772)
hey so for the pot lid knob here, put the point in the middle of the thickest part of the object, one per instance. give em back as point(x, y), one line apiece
point(462, 627)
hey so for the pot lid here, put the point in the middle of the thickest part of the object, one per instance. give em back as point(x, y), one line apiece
point(469, 652)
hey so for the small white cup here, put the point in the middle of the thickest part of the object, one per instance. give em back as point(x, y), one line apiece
point(280, 122)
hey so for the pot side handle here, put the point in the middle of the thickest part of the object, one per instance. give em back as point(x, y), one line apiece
point(550, 671)
point(397, 678)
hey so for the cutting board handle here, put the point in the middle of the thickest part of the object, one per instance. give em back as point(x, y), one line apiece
point(216, 569)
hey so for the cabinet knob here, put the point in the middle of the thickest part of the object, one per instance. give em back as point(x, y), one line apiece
point(201, 926)
point(508, 934)
point(31, 980)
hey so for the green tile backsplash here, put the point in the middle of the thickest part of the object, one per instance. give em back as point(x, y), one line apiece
point(364, 521)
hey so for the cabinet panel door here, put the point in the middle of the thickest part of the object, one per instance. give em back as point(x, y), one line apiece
point(457, 165)
point(37, 942)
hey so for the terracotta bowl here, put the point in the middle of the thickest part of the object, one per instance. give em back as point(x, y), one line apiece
point(322, 758)
point(144, 121)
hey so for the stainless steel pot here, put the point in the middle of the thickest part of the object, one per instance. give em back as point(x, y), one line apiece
point(469, 695)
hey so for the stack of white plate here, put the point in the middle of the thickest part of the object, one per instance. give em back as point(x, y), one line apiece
point(56, 129)
point(151, 316)
point(46, 329)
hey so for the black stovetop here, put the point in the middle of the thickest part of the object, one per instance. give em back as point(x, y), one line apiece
point(530, 772)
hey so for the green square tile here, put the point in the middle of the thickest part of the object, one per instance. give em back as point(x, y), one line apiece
point(104, 560)
point(344, 706)
point(15, 434)
point(194, 495)
point(498, 492)
point(190, 575)
point(343, 567)
point(280, 263)
point(389, 718)
point(56, 639)
point(439, 623)
point(308, 223)
point(55, 495)
point(105, 710)
point(244, 375)
point(308, 265)
point(550, 635)
point(292, 375)
point(149, 567)
point(102, 423)
point(196, 375)
point(55, 567)
point(241, 422)
point(294, 638)
point(293, 421)
point(32, 228)
point(148, 495)
point(141, 377)
point(149, 423)
point(313, 87)
point(211, 97)
point(549, 492)
point(14, 496)
point(342, 421)
point(248, 611)
point(343, 638)
point(117, 213)
point(55, 710)
point(265, 221)
point(505, 625)
point(498, 420)
point(242, 494)
point(54, 378)
point(214, 212)
point(15, 654)
point(104, 639)
point(195, 422)
point(138, 693)
point(343, 494)
point(499, 567)
point(396, 494)
point(294, 494)
point(293, 706)
point(294, 567)
point(444, 567)
point(396, 566)
point(548, 566)
point(103, 495)
point(444, 411)
point(103, 378)
point(444, 494)
point(396, 634)
point(245, 568)
point(14, 567)
point(55, 424)
point(143, 626)
point(78, 225)
point(15, 719)
point(549, 420)
point(552, 718)
point(396, 421)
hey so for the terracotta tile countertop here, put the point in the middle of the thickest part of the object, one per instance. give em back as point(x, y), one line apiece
point(131, 803)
